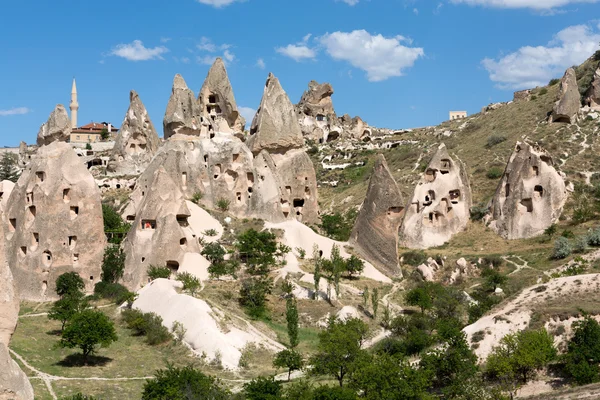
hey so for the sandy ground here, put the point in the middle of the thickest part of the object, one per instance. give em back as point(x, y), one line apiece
point(209, 331)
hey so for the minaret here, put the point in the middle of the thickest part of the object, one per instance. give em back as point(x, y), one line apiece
point(74, 106)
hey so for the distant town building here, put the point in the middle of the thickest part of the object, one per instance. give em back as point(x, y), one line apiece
point(90, 133)
point(457, 115)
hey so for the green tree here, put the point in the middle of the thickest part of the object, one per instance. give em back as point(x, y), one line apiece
point(333, 269)
point(419, 297)
point(113, 264)
point(8, 167)
point(155, 272)
point(291, 317)
point(339, 347)
point(493, 278)
point(257, 250)
point(191, 284)
point(69, 283)
point(375, 301)
point(550, 231)
point(333, 393)
point(316, 256)
point(263, 388)
point(354, 265)
point(253, 295)
point(87, 330)
point(366, 297)
point(290, 359)
point(183, 384)
point(104, 134)
point(583, 352)
point(65, 308)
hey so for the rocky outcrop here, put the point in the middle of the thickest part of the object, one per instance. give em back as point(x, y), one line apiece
point(375, 232)
point(137, 141)
point(530, 196)
point(56, 129)
point(276, 133)
point(6, 188)
point(54, 224)
point(14, 384)
point(567, 106)
point(217, 101)
point(316, 115)
point(440, 204)
point(183, 112)
point(592, 96)
point(522, 95)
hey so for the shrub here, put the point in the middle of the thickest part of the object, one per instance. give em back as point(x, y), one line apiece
point(113, 291)
point(593, 237)
point(543, 91)
point(253, 295)
point(87, 330)
point(581, 244)
point(69, 283)
point(414, 257)
point(478, 212)
point(210, 232)
point(223, 204)
point(301, 252)
point(567, 233)
point(533, 98)
point(113, 264)
point(494, 261)
point(257, 250)
point(183, 384)
point(494, 140)
point(553, 82)
point(191, 284)
point(494, 173)
point(196, 197)
point(179, 331)
point(155, 272)
point(562, 248)
point(146, 324)
point(338, 226)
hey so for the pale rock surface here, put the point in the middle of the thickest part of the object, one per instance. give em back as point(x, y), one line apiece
point(316, 115)
point(347, 313)
point(440, 206)
point(57, 128)
point(183, 113)
point(14, 384)
point(569, 101)
point(55, 224)
point(375, 232)
point(6, 188)
point(208, 330)
point(592, 96)
point(530, 196)
point(137, 141)
point(216, 99)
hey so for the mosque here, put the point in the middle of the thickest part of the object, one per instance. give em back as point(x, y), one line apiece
point(89, 133)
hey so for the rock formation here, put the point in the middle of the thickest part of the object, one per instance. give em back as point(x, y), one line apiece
point(57, 128)
point(375, 232)
point(592, 96)
point(137, 141)
point(316, 115)
point(217, 101)
point(6, 188)
point(440, 206)
point(530, 196)
point(276, 134)
point(567, 106)
point(55, 223)
point(183, 112)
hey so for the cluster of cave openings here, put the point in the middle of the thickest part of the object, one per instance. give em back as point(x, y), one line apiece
point(238, 197)
point(72, 242)
point(430, 175)
point(148, 224)
point(212, 107)
point(446, 165)
point(538, 191)
point(528, 204)
point(182, 220)
point(298, 206)
point(40, 176)
point(47, 258)
point(66, 195)
point(216, 171)
point(74, 212)
point(250, 182)
point(454, 196)
point(429, 198)
point(433, 218)
point(447, 207)
point(173, 267)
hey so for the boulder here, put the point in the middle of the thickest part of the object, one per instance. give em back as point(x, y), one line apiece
point(592, 96)
point(183, 112)
point(569, 101)
point(375, 232)
point(14, 384)
point(530, 196)
point(137, 141)
point(55, 224)
point(440, 206)
point(217, 101)
point(57, 128)
point(275, 127)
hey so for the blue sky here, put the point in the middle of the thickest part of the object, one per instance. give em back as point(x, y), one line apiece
point(395, 63)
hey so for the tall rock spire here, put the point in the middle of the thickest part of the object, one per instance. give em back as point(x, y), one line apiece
point(74, 106)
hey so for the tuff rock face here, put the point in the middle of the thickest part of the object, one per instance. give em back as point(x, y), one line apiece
point(275, 131)
point(57, 128)
point(375, 232)
point(316, 115)
point(183, 112)
point(530, 196)
point(217, 101)
point(440, 204)
point(592, 96)
point(54, 223)
point(6, 188)
point(137, 141)
point(567, 106)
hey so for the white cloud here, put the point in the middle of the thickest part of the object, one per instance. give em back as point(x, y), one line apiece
point(260, 63)
point(207, 45)
point(14, 111)
point(533, 4)
point(380, 57)
point(218, 3)
point(299, 51)
point(350, 2)
point(416, 11)
point(206, 60)
point(247, 113)
point(136, 51)
point(165, 39)
point(228, 56)
point(535, 66)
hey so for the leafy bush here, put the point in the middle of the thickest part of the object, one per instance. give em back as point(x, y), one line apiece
point(223, 204)
point(301, 253)
point(543, 91)
point(210, 232)
point(494, 173)
point(257, 250)
point(593, 237)
point(414, 257)
point(338, 226)
point(253, 295)
point(183, 384)
point(562, 248)
point(478, 212)
point(191, 284)
point(583, 352)
point(113, 264)
point(114, 224)
point(146, 324)
point(567, 233)
point(69, 283)
point(196, 197)
point(87, 330)
point(494, 140)
point(155, 272)
point(494, 261)
point(553, 82)
point(113, 291)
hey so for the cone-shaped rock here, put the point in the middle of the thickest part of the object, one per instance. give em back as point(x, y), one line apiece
point(440, 204)
point(137, 141)
point(216, 98)
point(275, 127)
point(55, 223)
point(567, 106)
point(530, 196)
point(183, 112)
point(56, 129)
point(375, 232)
point(592, 96)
